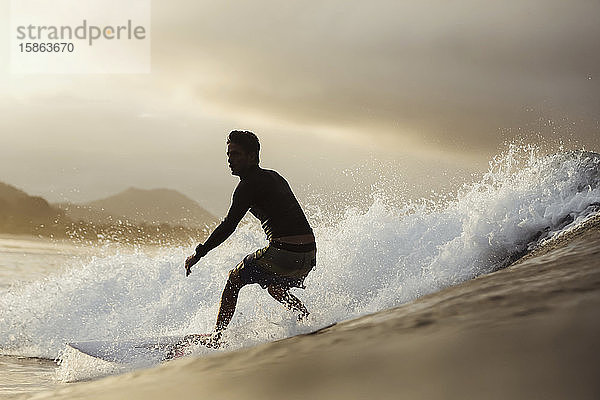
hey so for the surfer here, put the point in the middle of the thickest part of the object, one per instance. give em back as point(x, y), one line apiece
point(291, 253)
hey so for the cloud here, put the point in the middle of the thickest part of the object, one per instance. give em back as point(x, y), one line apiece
point(448, 73)
point(435, 84)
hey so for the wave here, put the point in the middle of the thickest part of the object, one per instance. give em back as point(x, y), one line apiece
point(368, 260)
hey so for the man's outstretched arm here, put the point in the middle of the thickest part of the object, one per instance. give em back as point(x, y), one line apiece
point(240, 204)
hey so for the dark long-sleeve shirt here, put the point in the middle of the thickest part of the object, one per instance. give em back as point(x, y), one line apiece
point(269, 198)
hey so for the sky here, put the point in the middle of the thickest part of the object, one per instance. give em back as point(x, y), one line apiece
point(342, 94)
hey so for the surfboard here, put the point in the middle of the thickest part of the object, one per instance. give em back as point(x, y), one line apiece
point(140, 350)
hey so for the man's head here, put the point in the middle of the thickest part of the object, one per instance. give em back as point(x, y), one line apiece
point(242, 151)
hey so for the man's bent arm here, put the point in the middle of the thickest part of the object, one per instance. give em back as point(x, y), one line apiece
point(240, 204)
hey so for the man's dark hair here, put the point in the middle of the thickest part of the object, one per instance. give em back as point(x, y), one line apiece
point(247, 140)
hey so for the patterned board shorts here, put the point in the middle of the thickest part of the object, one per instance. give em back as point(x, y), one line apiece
point(272, 266)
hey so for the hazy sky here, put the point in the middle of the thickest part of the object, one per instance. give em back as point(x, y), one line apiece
point(338, 91)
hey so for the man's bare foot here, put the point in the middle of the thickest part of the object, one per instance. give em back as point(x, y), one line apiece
point(212, 340)
point(302, 317)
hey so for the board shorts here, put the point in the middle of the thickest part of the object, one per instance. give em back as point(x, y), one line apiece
point(278, 264)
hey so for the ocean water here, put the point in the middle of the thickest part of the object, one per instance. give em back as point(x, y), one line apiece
point(368, 260)
point(23, 261)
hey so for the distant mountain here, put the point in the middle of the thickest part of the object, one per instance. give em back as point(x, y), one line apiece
point(19, 211)
point(128, 218)
point(156, 206)
point(89, 214)
point(11, 193)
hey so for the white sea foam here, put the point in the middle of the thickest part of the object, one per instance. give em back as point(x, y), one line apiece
point(367, 261)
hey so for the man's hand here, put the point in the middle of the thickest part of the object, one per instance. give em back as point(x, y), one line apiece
point(190, 262)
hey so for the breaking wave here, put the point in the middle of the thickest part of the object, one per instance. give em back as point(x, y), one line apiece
point(368, 260)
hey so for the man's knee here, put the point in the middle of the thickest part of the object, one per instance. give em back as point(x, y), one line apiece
point(235, 279)
point(276, 291)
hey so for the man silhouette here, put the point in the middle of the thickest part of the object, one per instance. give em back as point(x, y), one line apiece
point(291, 253)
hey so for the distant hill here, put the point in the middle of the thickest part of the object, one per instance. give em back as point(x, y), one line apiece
point(9, 192)
point(156, 206)
point(80, 212)
point(155, 217)
point(19, 211)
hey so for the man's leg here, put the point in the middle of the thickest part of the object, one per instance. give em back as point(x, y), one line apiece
point(293, 303)
point(228, 301)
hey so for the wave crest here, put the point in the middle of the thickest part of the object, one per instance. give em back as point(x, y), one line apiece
point(367, 261)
